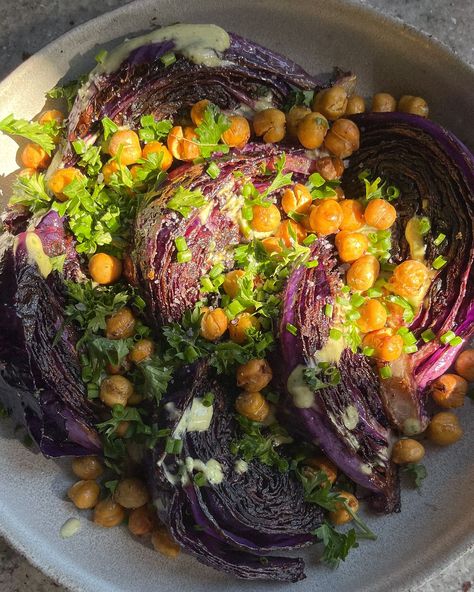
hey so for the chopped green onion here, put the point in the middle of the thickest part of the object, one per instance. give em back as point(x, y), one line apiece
point(439, 262)
point(200, 479)
point(173, 446)
point(213, 170)
point(208, 399)
point(181, 244)
point(100, 57)
point(388, 266)
point(353, 315)
point(439, 239)
point(345, 289)
point(456, 341)
point(184, 256)
point(403, 330)
point(335, 334)
point(328, 310)
point(392, 192)
point(247, 190)
point(216, 271)
point(168, 58)
point(234, 308)
point(357, 300)
point(291, 329)
point(447, 337)
point(368, 351)
point(247, 213)
point(428, 335)
point(410, 349)
point(309, 240)
point(313, 263)
point(385, 372)
point(206, 284)
point(424, 226)
point(408, 337)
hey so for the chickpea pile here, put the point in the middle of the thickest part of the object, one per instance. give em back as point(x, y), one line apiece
point(253, 377)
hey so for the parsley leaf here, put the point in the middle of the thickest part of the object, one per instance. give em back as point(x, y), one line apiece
point(31, 192)
point(336, 544)
point(42, 134)
point(185, 200)
point(210, 130)
point(151, 129)
point(417, 472)
point(155, 376)
point(67, 91)
point(90, 157)
point(281, 179)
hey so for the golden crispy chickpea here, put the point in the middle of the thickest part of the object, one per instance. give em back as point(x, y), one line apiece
point(60, 179)
point(330, 168)
point(115, 390)
point(449, 391)
point(296, 199)
point(352, 214)
point(312, 130)
point(464, 365)
point(105, 269)
point(110, 168)
point(84, 494)
point(341, 515)
point(387, 346)
point(407, 451)
point(131, 493)
point(331, 102)
point(198, 110)
point(214, 324)
point(373, 316)
point(444, 429)
point(351, 245)
point(238, 133)
point(270, 125)
point(343, 138)
point(122, 368)
point(326, 218)
point(355, 104)
point(289, 229)
point(239, 327)
point(158, 148)
point(265, 218)
point(87, 467)
point(409, 279)
point(127, 143)
point(322, 463)
point(108, 513)
point(414, 105)
point(142, 521)
point(231, 282)
point(34, 157)
point(141, 350)
point(51, 115)
point(272, 244)
point(121, 324)
point(293, 118)
point(164, 543)
point(383, 103)
point(254, 375)
point(122, 428)
point(362, 273)
point(183, 144)
point(380, 214)
point(252, 405)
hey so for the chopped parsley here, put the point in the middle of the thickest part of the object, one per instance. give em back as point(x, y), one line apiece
point(42, 134)
point(184, 201)
point(417, 472)
point(209, 131)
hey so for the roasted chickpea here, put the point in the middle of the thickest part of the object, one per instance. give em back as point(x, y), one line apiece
point(464, 365)
point(127, 143)
point(296, 199)
point(343, 138)
point(272, 244)
point(158, 148)
point(265, 218)
point(84, 494)
point(142, 520)
point(253, 406)
point(326, 218)
point(254, 375)
point(183, 144)
point(122, 368)
point(122, 428)
point(51, 115)
point(330, 168)
point(34, 157)
point(380, 214)
point(351, 245)
point(87, 467)
point(373, 316)
point(414, 105)
point(108, 513)
point(312, 130)
point(270, 125)
point(110, 168)
point(352, 214)
point(164, 543)
point(238, 133)
point(341, 515)
point(60, 179)
point(444, 429)
point(293, 118)
point(322, 463)
point(395, 315)
point(239, 327)
point(142, 350)
point(355, 104)
point(231, 282)
point(121, 325)
point(387, 345)
point(449, 391)
point(362, 273)
point(331, 102)
point(383, 103)
point(214, 324)
point(105, 269)
point(289, 229)
point(131, 493)
point(410, 279)
point(198, 110)
point(407, 451)
point(115, 390)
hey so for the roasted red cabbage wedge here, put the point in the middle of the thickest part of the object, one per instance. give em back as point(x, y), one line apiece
point(243, 512)
point(346, 420)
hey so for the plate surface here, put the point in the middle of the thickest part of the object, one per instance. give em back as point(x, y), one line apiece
point(434, 527)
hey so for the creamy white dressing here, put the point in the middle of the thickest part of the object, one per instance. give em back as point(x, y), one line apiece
point(36, 254)
point(205, 212)
point(303, 396)
point(212, 469)
point(365, 469)
point(331, 352)
point(350, 417)
point(415, 239)
point(70, 528)
point(202, 44)
point(196, 418)
point(241, 466)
